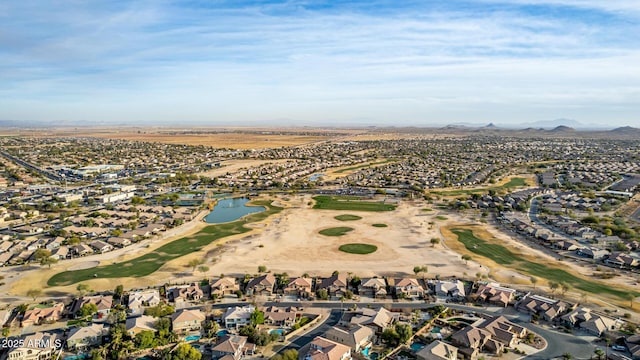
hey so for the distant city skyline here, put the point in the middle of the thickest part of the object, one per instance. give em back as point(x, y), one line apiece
point(382, 63)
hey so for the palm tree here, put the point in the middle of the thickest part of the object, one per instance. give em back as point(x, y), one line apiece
point(534, 281)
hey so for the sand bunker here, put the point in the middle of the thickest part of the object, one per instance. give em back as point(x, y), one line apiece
point(85, 265)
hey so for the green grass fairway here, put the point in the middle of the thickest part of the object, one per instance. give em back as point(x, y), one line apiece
point(336, 231)
point(513, 183)
point(325, 202)
point(380, 225)
point(148, 263)
point(503, 256)
point(348, 217)
point(360, 249)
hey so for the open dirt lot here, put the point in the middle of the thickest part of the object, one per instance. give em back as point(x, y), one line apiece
point(219, 137)
point(292, 244)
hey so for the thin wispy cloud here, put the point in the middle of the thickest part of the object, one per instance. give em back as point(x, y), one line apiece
point(419, 63)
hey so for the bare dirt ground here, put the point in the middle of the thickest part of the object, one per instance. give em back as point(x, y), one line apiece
point(219, 137)
point(232, 166)
point(292, 244)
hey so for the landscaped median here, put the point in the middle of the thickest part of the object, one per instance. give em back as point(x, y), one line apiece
point(146, 264)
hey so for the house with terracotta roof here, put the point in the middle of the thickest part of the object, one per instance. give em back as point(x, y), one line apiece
point(323, 349)
point(495, 294)
point(300, 287)
point(408, 288)
point(102, 302)
point(224, 286)
point(184, 293)
point(40, 315)
point(262, 285)
point(471, 340)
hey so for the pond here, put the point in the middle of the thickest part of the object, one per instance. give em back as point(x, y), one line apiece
point(227, 210)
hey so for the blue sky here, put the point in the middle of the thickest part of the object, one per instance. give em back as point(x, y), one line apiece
point(420, 63)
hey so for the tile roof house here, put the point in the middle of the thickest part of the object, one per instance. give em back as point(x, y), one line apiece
point(438, 350)
point(408, 288)
point(86, 337)
point(141, 323)
point(336, 285)
point(378, 320)
point(594, 323)
point(547, 309)
point(299, 287)
point(102, 302)
point(39, 316)
point(139, 299)
point(262, 285)
point(232, 347)
point(324, 349)
point(185, 293)
point(187, 320)
point(373, 287)
point(471, 340)
point(356, 337)
point(495, 294)
point(282, 317)
point(502, 330)
point(224, 286)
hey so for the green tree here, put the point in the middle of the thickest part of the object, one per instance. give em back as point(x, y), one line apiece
point(87, 310)
point(194, 263)
point(40, 254)
point(534, 281)
point(48, 261)
point(83, 288)
point(466, 258)
point(434, 241)
point(257, 317)
point(145, 339)
point(183, 351)
point(404, 331)
point(118, 291)
point(34, 293)
point(203, 268)
point(390, 337)
point(262, 269)
point(322, 294)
